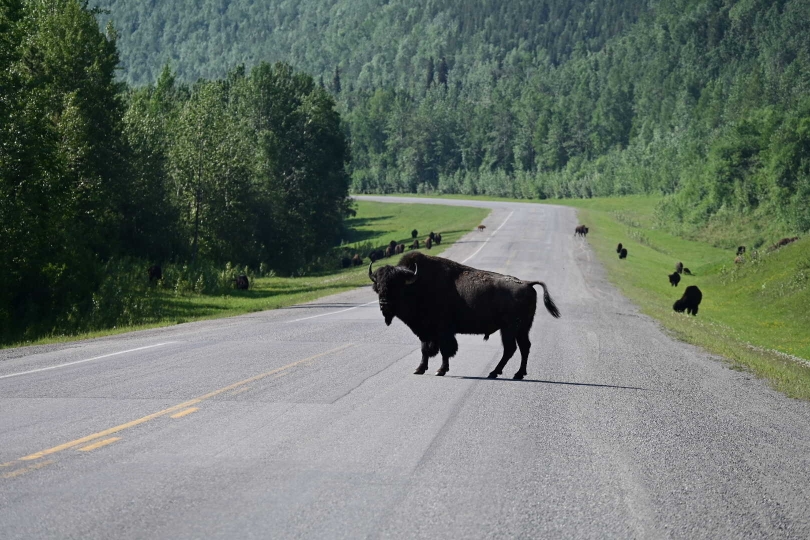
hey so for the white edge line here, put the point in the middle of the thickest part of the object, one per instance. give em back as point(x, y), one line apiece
point(488, 239)
point(333, 312)
point(375, 301)
point(85, 360)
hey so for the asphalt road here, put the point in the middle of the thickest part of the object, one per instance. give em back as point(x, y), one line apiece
point(307, 422)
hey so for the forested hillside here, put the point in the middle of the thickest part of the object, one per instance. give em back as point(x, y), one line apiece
point(704, 101)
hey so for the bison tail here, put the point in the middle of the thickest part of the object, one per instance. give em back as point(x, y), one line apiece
point(547, 301)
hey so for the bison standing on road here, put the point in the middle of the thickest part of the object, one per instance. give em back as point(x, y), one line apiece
point(674, 279)
point(481, 228)
point(690, 300)
point(439, 298)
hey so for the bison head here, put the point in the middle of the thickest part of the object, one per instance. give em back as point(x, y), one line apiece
point(389, 284)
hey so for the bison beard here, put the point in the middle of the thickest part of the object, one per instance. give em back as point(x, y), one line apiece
point(439, 298)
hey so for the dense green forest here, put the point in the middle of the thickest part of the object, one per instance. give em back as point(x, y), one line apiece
point(249, 168)
point(706, 102)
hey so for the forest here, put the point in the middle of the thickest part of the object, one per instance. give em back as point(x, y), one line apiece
point(99, 180)
point(705, 102)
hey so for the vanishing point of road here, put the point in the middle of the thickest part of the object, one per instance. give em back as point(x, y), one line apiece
point(307, 422)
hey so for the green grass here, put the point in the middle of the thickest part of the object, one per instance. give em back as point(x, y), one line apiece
point(375, 224)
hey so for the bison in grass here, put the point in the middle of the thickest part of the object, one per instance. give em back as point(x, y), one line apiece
point(415, 244)
point(357, 260)
point(687, 271)
point(679, 267)
point(619, 248)
point(439, 298)
point(155, 273)
point(242, 282)
point(690, 301)
point(674, 279)
point(414, 234)
point(783, 242)
point(400, 249)
point(388, 251)
point(428, 243)
point(345, 262)
point(376, 255)
point(438, 238)
point(740, 250)
point(623, 253)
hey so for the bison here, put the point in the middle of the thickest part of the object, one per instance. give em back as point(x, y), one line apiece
point(690, 300)
point(438, 238)
point(740, 250)
point(357, 260)
point(623, 253)
point(674, 279)
point(414, 234)
point(432, 236)
point(438, 298)
point(155, 273)
point(679, 267)
point(783, 242)
point(376, 255)
point(415, 244)
point(481, 228)
point(388, 251)
point(393, 245)
point(581, 230)
point(400, 249)
point(428, 243)
point(345, 262)
point(687, 271)
point(242, 282)
point(619, 248)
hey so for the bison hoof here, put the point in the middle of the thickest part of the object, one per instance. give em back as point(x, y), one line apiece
point(441, 372)
point(519, 376)
point(493, 375)
point(419, 371)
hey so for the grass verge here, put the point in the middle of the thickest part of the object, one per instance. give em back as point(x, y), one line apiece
point(375, 224)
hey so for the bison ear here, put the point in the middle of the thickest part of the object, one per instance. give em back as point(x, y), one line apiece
point(411, 280)
point(370, 274)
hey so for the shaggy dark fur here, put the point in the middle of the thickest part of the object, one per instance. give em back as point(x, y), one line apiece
point(415, 244)
point(619, 248)
point(438, 298)
point(242, 282)
point(389, 251)
point(428, 243)
point(481, 228)
point(581, 230)
point(690, 301)
point(414, 234)
point(674, 279)
point(623, 253)
point(741, 250)
point(432, 236)
point(155, 273)
point(393, 245)
point(438, 238)
point(400, 249)
point(679, 267)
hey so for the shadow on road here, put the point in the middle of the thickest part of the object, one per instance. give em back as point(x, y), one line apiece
point(548, 382)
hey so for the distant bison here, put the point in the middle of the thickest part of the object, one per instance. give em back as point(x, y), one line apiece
point(783, 242)
point(687, 271)
point(400, 249)
point(438, 239)
point(414, 234)
point(581, 230)
point(674, 279)
point(623, 253)
point(619, 248)
point(740, 250)
point(242, 282)
point(679, 267)
point(428, 243)
point(357, 260)
point(481, 228)
point(439, 298)
point(155, 273)
point(415, 244)
point(388, 251)
point(690, 301)
point(376, 255)
point(393, 245)
point(345, 262)
point(432, 236)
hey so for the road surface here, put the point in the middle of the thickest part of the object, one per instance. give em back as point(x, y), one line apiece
point(307, 422)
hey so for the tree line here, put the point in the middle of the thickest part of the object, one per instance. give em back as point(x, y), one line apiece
point(249, 168)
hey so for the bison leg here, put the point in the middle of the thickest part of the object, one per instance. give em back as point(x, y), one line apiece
point(509, 348)
point(449, 347)
point(429, 349)
point(525, 345)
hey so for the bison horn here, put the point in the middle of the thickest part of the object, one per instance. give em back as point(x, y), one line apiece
point(370, 275)
point(411, 280)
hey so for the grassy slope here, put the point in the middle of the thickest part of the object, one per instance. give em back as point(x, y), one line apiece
point(377, 223)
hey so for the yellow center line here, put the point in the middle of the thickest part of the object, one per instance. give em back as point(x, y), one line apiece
point(184, 413)
point(240, 390)
point(24, 470)
point(174, 408)
point(99, 444)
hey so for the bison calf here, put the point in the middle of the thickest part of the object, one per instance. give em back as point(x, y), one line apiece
point(438, 298)
point(690, 301)
point(623, 253)
point(674, 279)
